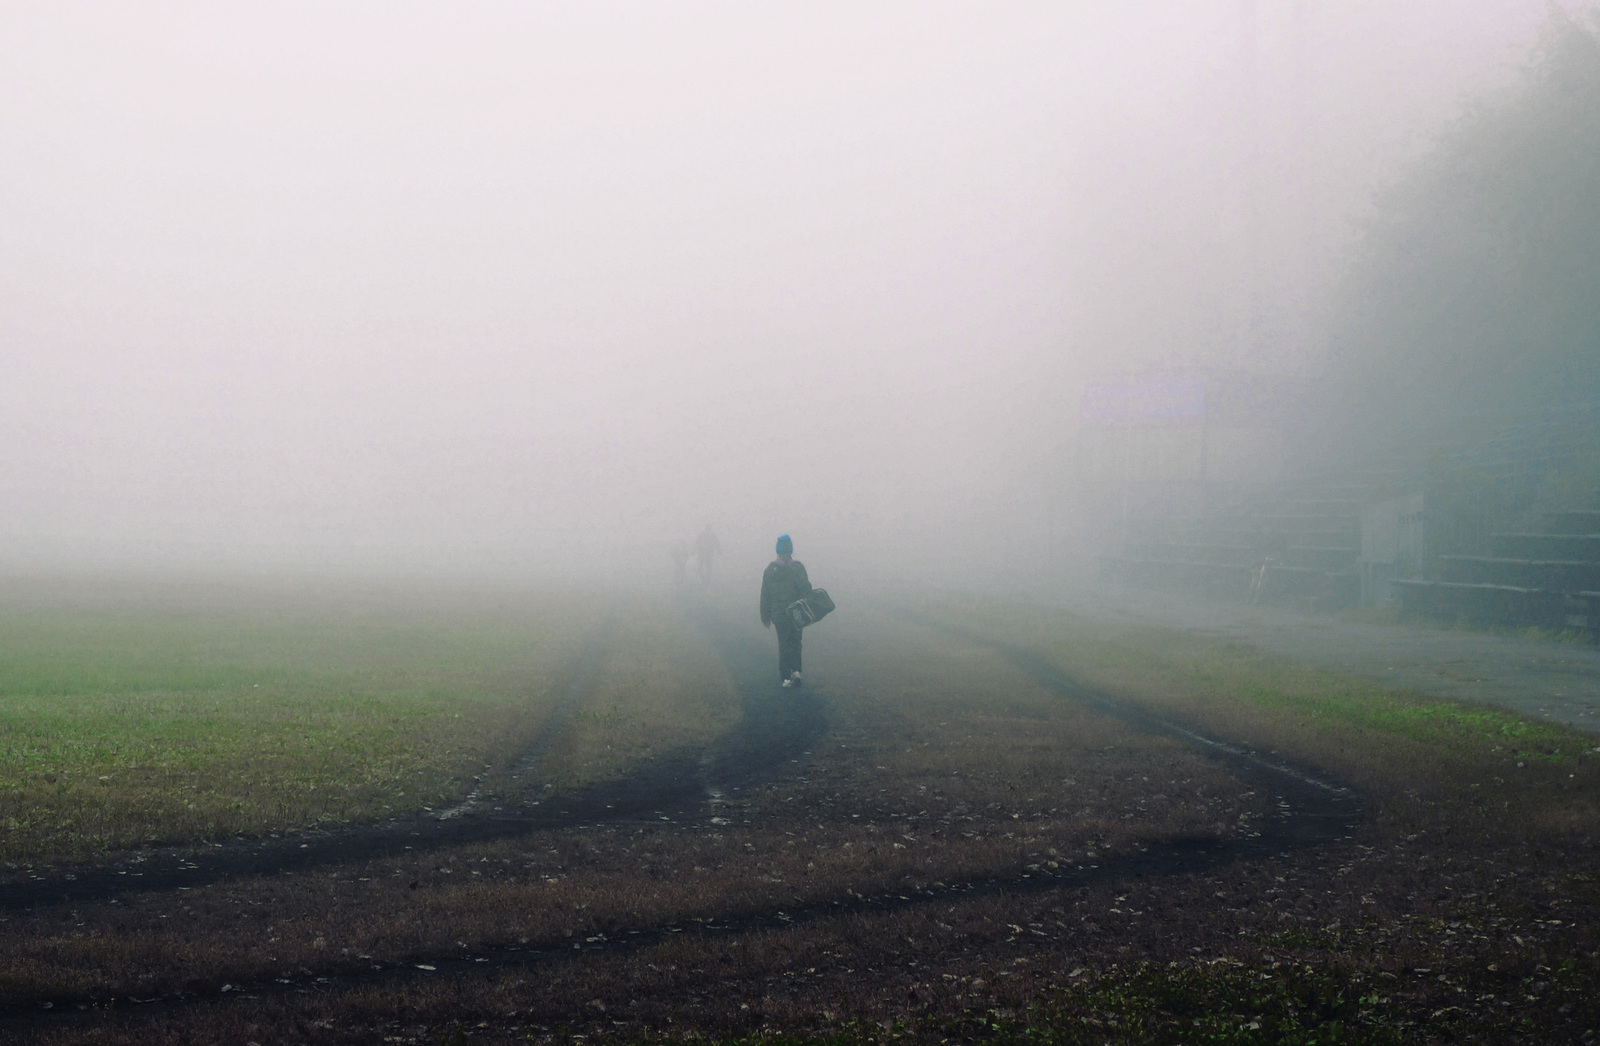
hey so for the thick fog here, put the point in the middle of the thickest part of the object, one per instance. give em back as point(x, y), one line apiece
point(543, 287)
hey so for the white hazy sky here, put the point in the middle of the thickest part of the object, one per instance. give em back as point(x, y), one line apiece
point(529, 282)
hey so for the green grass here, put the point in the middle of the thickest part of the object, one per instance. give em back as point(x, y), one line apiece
point(1412, 754)
point(1195, 674)
point(144, 712)
point(1397, 713)
point(1196, 670)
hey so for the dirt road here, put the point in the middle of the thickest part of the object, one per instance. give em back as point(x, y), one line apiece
point(1553, 680)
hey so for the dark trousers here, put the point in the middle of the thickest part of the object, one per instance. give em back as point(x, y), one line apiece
point(788, 646)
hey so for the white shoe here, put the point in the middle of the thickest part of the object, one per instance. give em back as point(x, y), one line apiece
point(794, 677)
point(787, 683)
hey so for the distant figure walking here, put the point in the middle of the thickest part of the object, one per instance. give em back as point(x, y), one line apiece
point(680, 552)
point(783, 582)
point(706, 550)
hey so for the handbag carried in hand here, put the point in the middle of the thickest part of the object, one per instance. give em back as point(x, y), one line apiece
point(810, 609)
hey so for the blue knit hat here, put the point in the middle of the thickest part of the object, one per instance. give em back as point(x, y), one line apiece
point(785, 546)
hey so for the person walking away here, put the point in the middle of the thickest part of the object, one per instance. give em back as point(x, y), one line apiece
point(783, 582)
point(680, 553)
point(706, 549)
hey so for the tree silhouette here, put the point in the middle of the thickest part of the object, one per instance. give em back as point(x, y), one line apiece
point(1473, 301)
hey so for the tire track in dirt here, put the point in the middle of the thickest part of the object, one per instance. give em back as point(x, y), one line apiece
point(665, 789)
point(184, 867)
point(560, 716)
point(777, 726)
point(1311, 810)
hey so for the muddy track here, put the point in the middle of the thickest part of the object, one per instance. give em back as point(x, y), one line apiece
point(1311, 810)
point(777, 727)
point(173, 868)
point(666, 789)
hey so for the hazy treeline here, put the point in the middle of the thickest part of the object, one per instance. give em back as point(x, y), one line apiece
point(1472, 302)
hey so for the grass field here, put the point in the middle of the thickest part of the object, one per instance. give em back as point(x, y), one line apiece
point(1426, 750)
point(141, 712)
point(660, 688)
point(952, 858)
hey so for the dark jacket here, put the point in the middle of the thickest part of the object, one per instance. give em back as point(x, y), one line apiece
point(781, 584)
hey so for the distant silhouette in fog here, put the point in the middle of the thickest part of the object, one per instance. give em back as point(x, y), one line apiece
point(706, 549)
point(680, 553)
point(783, 582)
